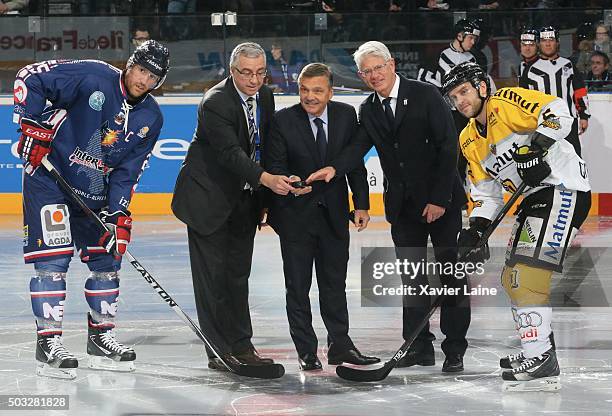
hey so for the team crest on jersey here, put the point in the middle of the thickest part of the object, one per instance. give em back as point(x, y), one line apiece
point(551, 120)
point(493, 149)
point(492, 119)
point(109, 137)
point(120, 118)
point(143, 132)
point(96, 100)
point(20, 91)
point(55, 219)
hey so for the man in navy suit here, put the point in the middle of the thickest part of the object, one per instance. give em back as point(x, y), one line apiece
point(414, 134)
point(312, 222)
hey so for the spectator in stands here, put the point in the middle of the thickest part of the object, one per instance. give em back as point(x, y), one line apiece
point(602, 39)
point(282, 77)
point(585, 35)
point(598, 77)
point(140, 36)
point(12, 6)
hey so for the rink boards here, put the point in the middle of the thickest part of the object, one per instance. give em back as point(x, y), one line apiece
point(155, 188)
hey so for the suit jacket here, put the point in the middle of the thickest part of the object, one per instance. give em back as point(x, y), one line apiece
point(291, 150)
point(218, 164)
point(418, 155)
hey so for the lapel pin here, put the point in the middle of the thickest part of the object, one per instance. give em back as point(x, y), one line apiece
point(405, 102)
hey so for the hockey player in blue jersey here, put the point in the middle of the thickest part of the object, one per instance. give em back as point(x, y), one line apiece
point(98, 130)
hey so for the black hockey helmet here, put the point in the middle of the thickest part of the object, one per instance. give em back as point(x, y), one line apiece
point(530, 36)
point(153, 56)
point(465, 72)
point(548, 32)
point(468, 27)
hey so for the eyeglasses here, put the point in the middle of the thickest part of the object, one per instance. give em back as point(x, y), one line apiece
point(246, 74)
point(367, 73)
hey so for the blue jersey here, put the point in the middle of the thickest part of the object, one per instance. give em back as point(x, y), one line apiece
point(102, 142)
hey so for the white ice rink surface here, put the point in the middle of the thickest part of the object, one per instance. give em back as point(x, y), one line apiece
point(172, 378)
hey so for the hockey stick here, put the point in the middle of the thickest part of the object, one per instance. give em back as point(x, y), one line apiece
point(378, 374)
point(256, 371)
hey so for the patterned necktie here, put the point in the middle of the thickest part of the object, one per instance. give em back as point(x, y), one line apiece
point(321, 140)
point(253, 135)
point(389, 113)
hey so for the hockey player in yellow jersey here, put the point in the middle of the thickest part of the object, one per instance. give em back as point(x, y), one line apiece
point(515, 136)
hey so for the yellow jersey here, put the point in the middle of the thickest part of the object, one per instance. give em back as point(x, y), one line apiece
point(513, 114)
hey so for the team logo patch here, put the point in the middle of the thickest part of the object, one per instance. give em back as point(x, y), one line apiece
point(120, 118)
point(528, 236)
point(551, 120)
point(96, 100)
point(143, 132)
point(493, 149)
point(20, 91)
point(492, 120)
point(55, 220)
point(110, 138)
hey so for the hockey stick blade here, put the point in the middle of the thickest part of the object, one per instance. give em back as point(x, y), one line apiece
point(379, 374)
point(269, 371)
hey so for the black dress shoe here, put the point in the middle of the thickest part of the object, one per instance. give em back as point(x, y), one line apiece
point(453, 363)
point(309, 362)
point(352, 356)
point(421, 355)
point(252, 357)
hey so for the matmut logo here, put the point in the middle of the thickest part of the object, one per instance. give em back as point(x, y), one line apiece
point(510, 95)
point(501, 161)
point(555, 241)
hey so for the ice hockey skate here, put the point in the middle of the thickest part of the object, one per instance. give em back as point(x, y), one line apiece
point(534, 374)
point(104, 352)
point(54, 360)
point(514, 360)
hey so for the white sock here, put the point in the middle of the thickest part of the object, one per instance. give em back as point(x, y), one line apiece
point(534, 328)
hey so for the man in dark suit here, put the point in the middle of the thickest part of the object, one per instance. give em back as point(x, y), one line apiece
point(414, 134)
point(218, 195)
point(313, 226)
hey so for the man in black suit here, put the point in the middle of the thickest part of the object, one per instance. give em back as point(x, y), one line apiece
point(313, 226)
point(218, 195)
point(414, 134)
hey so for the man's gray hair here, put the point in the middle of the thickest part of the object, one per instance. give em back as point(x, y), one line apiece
point(248, 49)
point(373, 48)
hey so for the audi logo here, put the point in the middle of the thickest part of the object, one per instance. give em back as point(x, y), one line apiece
point(525, 320)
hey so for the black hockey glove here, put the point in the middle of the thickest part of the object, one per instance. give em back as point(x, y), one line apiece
point(530, 164)
point(468, 240)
